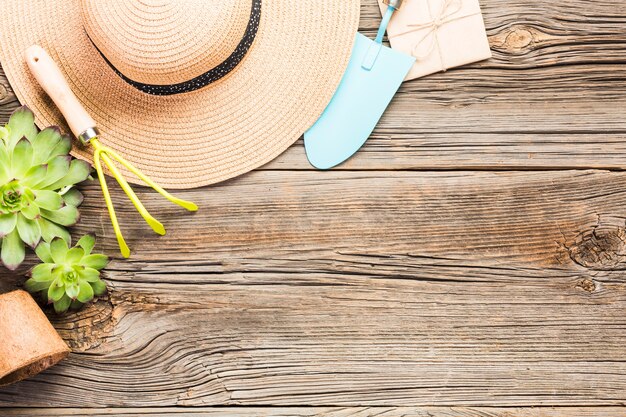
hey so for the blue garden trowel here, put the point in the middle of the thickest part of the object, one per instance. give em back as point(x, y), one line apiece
point(374, 74)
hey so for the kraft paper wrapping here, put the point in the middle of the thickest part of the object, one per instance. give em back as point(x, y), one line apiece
point(440, 34)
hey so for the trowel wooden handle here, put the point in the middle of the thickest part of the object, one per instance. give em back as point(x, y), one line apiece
point(53, 82)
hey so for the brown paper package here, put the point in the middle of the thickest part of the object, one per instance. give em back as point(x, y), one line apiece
point(28, 342)
point(440, 34)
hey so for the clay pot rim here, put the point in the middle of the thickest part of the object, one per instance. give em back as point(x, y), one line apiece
point(41, 353)
point(32, 367)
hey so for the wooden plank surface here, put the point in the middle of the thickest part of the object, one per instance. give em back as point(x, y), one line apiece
point(359, 288)
point(323, 411)
point(468, 261)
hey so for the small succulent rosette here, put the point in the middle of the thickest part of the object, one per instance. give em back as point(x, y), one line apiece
point(68, 277)
point(37, 177)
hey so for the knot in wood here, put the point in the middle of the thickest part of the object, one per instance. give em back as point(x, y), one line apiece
point(518, 38)
point(587, 285)
point(88, 328)
point(599, 248)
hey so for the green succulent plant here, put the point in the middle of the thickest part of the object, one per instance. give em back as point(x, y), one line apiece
point(37, 175)
point(68, 277)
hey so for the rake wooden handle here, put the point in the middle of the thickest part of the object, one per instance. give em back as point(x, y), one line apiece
point(50, 78)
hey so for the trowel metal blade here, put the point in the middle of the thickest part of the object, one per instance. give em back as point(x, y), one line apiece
point(373, 76)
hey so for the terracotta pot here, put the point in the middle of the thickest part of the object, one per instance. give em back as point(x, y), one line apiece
point(28, 342)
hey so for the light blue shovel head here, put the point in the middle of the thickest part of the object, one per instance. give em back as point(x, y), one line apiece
point(374, 74)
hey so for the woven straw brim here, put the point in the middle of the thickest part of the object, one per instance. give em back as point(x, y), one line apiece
point(193, 139)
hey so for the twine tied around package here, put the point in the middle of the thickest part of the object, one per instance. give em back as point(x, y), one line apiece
point(447, 14)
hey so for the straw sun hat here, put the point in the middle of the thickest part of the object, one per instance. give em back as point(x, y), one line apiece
point(192, 92)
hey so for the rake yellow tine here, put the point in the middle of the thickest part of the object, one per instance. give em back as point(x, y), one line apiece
point(107, 199)
point(183, 203)
point(152, 222)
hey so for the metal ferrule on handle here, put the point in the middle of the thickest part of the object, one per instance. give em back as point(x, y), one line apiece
point(396, 4)
point(88, 135)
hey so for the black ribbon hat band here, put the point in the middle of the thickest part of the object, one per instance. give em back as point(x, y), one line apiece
point(210, 76)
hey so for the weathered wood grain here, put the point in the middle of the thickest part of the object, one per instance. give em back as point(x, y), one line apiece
point(327, 412)
point(348, 288)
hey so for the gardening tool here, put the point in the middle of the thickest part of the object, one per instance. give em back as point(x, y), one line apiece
point(84, 128)
point(374, 74)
